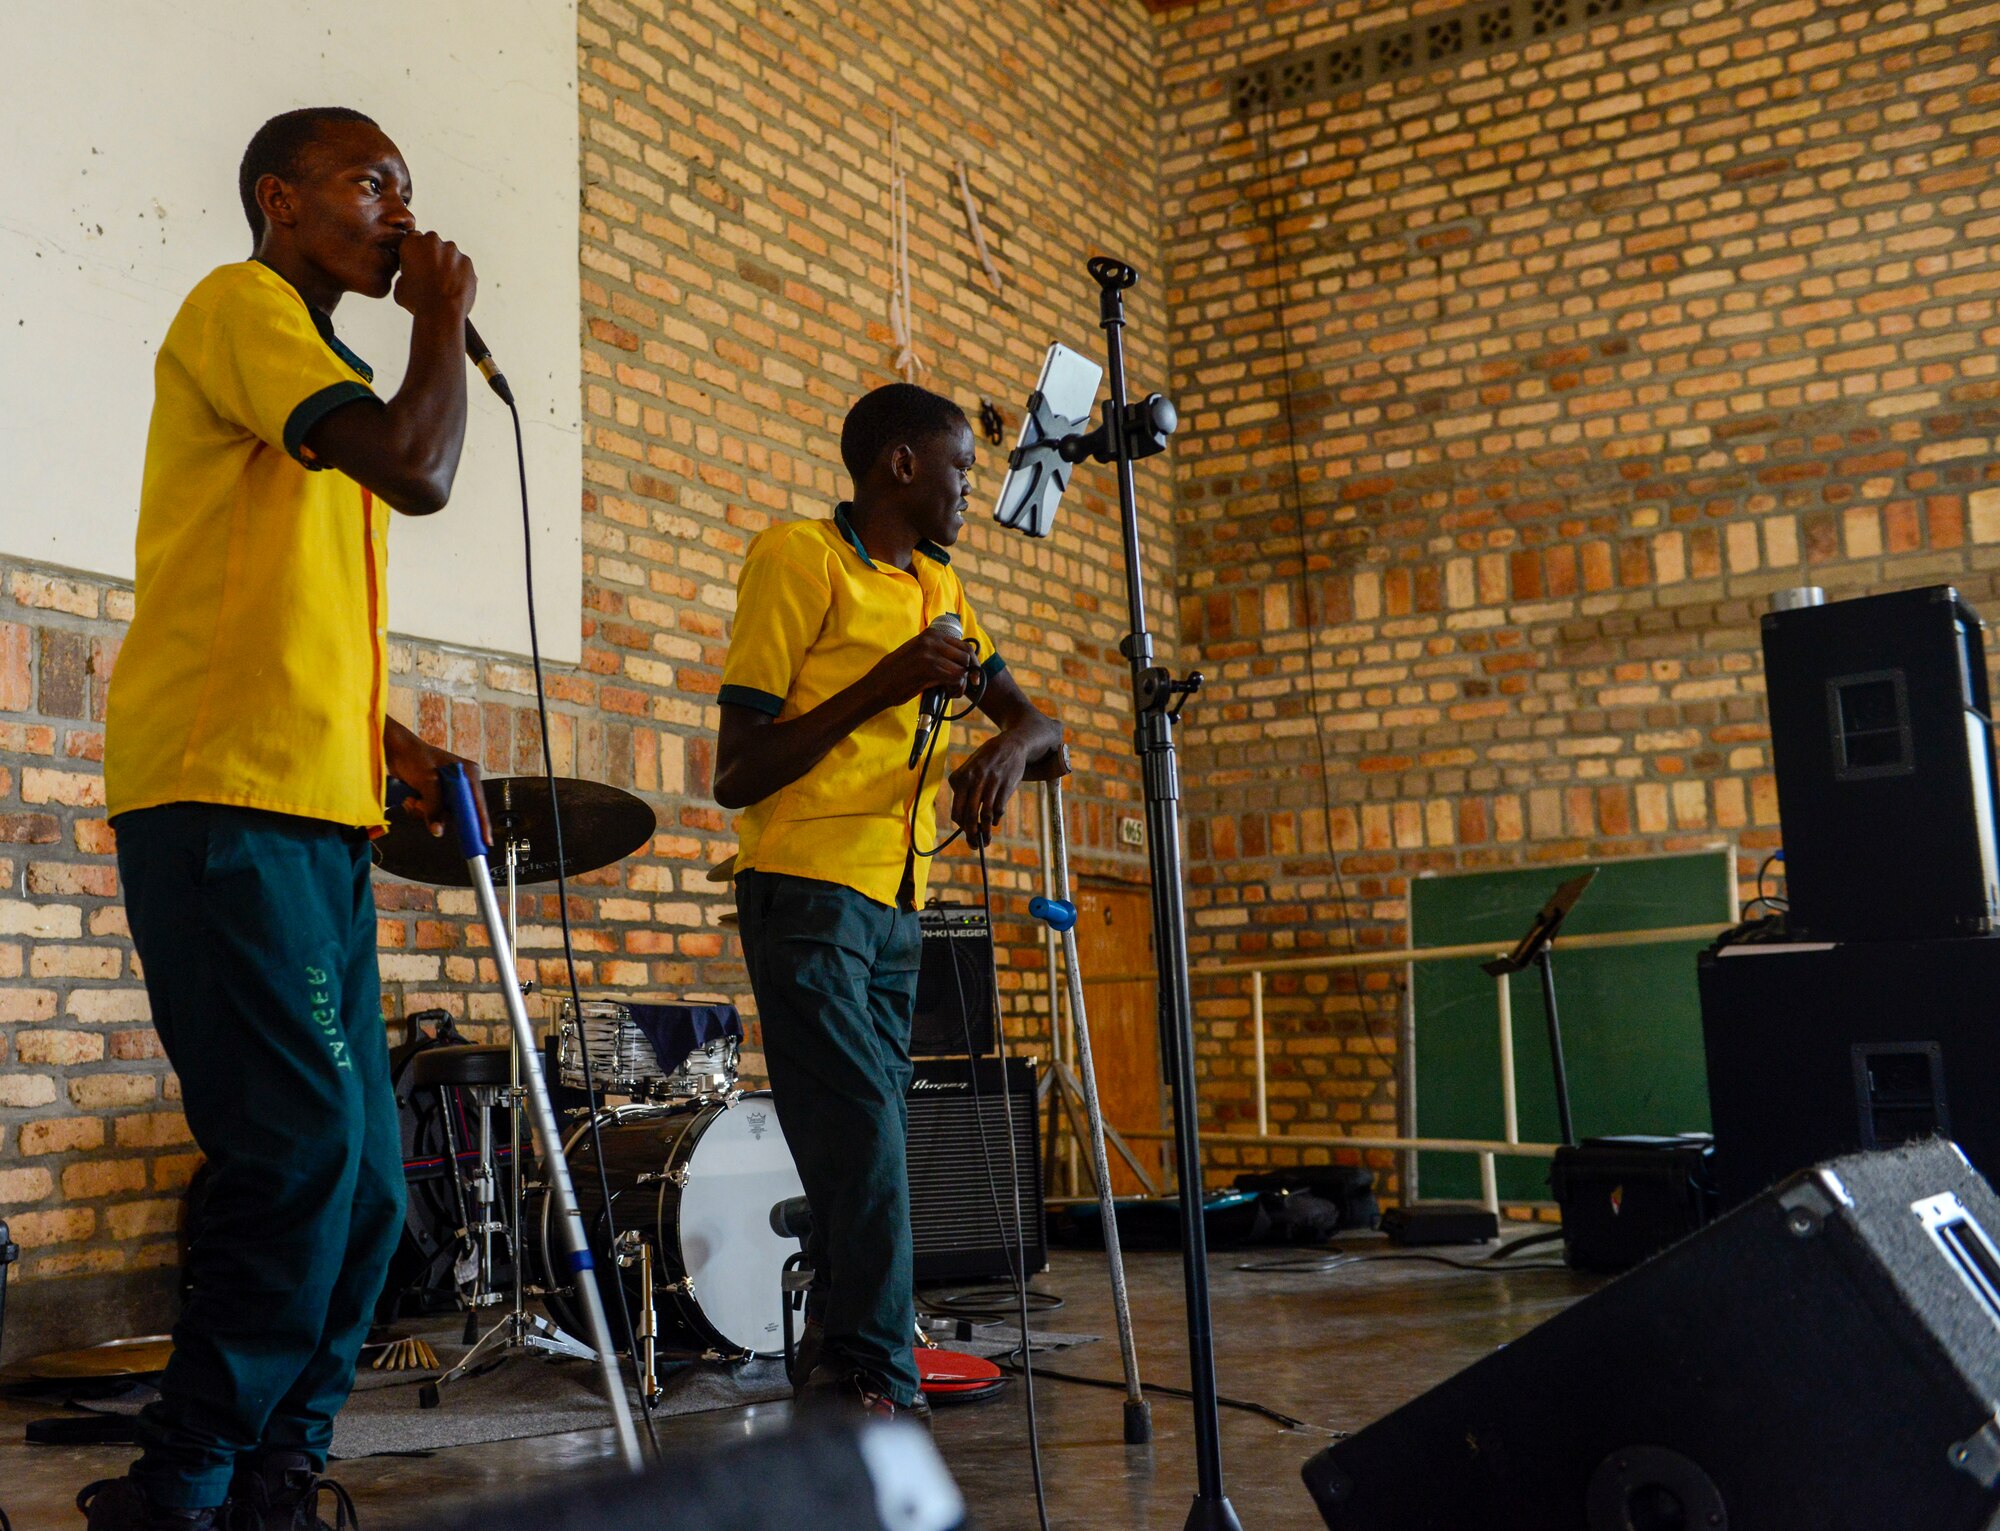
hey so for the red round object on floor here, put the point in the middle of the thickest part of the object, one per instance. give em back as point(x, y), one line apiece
point(952, 1376)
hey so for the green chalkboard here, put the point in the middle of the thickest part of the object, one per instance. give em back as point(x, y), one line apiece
point(1631, 1018)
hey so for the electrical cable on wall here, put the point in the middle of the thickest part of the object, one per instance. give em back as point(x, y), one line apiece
point(1306, 603)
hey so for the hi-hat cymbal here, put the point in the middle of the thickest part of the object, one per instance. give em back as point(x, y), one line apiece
point(600, 825)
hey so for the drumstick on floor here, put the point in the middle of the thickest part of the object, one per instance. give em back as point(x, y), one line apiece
point(406, 1355)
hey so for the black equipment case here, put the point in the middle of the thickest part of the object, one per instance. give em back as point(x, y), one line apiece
point(1624, 1199)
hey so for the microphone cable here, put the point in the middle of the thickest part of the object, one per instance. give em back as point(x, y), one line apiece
point(1010, 1245)
point(975, 693)
point(569, 961)
point(1012, 1240)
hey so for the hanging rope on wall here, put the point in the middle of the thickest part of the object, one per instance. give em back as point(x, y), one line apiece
point(978, 233)
point(902, 323)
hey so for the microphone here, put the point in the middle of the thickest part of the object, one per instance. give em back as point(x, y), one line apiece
point(792, 1218)
point(931, 711)
point(481, 356)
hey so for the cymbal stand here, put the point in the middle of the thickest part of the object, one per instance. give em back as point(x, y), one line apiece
point(518, 1329)
point(633, 1249)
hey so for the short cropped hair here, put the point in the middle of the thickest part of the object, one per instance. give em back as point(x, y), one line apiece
point(891, 416)
point(278, 147)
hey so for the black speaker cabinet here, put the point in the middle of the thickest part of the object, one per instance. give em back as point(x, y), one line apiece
point(955, 983)
point(1826, 1358)
point(1883, 747)
point(957, 1137)
point(1813, 1053)
point(821, 1476)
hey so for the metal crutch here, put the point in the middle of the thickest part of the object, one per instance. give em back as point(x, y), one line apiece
point(1060, 915)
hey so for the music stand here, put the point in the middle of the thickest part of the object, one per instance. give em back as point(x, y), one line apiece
point(1534, 947)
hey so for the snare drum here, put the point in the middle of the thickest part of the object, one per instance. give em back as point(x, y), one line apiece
point(620, 1056)
point(696, 1181)
point(624, 1062)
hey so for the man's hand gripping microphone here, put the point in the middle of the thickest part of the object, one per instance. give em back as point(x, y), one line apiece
point(931, 711)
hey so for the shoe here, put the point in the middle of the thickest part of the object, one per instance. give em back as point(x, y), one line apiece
point(830, 1391)
point(281, 1491)
point(119, 1504)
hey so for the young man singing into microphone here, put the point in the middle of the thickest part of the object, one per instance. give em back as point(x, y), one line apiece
point(831, 649)
point(245, 756)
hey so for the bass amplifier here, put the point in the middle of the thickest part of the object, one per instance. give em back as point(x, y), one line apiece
point(1818, 1051)
point(955, 1134)
point(1827, 1356)
point(955, 983)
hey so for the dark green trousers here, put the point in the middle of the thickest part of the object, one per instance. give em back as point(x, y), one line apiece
point(835, 975)
point(257, 931)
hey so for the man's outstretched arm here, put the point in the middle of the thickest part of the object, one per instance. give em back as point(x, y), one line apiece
point(982, 786)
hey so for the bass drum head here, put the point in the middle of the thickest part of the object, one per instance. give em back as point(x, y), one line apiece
point(739, 1169)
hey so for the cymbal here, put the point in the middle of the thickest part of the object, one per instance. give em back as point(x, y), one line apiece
point(138, 1357)
point(600, 825)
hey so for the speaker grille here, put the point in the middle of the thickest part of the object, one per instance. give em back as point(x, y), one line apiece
point(954, 1012)
point(957, 1236)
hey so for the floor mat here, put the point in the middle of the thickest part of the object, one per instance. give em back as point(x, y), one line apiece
point(532, 1396)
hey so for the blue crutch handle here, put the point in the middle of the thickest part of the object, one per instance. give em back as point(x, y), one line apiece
point(1059, 914)
point(458, 806)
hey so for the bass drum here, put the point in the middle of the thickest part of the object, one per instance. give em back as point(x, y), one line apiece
point(697, 1182)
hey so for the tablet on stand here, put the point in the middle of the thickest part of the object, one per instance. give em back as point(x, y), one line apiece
point(1037, 473)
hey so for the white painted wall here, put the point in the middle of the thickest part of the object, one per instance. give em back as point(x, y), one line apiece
point(122, 123)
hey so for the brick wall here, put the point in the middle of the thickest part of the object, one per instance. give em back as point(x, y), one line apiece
point(734, 273)
point(1591, 345)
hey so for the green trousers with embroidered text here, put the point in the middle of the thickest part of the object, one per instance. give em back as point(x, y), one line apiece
point(835, 975)
point(257, 931)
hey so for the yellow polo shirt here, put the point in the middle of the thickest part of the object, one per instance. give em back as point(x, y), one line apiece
point(255, 670)
point(814, 613)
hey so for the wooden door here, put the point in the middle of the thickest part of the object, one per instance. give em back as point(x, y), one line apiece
point(1114, 940)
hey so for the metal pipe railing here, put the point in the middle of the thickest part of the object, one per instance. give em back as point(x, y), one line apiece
point(1510, 1145)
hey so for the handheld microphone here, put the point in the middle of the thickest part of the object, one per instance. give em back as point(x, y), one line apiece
point(931, 711)
point(481, 356)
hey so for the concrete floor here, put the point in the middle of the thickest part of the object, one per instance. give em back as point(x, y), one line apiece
point(1336, 1349)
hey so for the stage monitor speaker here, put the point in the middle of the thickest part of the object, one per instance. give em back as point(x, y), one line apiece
point(1830, 1050)
point(953, 1140)
point(1827, 1356)
point(1882, 741)
point(955, 983)
point(882, 1477)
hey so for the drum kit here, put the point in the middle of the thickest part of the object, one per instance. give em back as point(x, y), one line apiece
point(692, 1163)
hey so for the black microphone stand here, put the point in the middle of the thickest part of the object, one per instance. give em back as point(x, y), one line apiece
point(1131, 431)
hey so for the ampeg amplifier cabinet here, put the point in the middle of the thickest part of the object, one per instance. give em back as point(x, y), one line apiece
point(955, 1134)
point(955, 984)
point(1827, 1356)
point(1827, 1050)
point(1882, 740)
